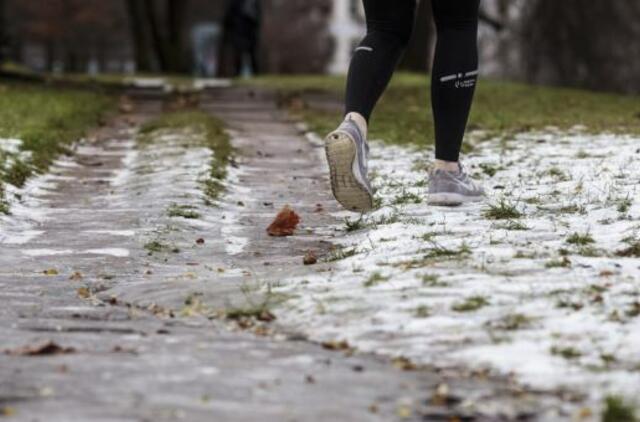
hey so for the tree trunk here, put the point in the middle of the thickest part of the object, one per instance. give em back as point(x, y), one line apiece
point(138, 27)
point(176, 15)
point(417, 58)
point(4, 39)
point(157, 38)
point(588, 47)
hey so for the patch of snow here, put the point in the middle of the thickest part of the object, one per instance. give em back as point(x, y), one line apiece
point(204, 83)
point(117, 252)
point(19, 238)
point(10, 146)
point(141, 82)
point(450, 286)
point(123, 233)
point(46, 252)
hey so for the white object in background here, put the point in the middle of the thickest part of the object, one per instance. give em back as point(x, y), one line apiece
point(346, 31)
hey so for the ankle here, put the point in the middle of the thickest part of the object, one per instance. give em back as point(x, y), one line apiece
point(360, 121)
point(447, 165)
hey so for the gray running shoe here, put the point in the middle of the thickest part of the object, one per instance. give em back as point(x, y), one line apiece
point(347, 153)
point(450, 188)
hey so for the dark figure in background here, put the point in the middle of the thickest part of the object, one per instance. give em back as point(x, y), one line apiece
point(241, 37)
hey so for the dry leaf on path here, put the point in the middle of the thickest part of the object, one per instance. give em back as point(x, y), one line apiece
point(83, 293)
point(44, 349)
point(310, 258)
point(336, 345)
point(285, 223)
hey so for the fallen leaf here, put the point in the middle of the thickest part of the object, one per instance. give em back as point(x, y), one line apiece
point(7, 411)
point(125, 105)
point(48, 348)
point(404, 411)
point(200, 241)
point(83, 293)
point(441, 395)
point(404, 364)
point(336, 345)
point(120, 349)
point(285, 223)
point(51, 271)
point(77, 276)
point(310, 258)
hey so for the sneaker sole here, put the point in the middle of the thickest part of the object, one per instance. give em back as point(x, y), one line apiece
point(341, 155)
point(451, 199)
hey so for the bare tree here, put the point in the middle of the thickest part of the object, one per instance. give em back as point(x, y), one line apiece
point(139, 34)
point(159, 27)
point(594, 46)
point(3, 31)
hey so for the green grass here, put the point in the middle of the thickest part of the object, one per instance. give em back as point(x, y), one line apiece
point(581, 239)
point(184, 211)
point(566, 352)
point(47, 121)
point(616, 410)
point(512, 322)
point(214, 137)
point(180, 82)
point(375, 279)
point(503, 210)
point(633, 248)
point(339, 253)
point(155, 246)
point(500, 108)
point(470, 304)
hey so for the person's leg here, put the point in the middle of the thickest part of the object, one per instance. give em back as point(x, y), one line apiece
point(389, 26)
point(454, 76)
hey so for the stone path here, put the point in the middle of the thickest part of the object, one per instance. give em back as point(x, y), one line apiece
point(74, 271)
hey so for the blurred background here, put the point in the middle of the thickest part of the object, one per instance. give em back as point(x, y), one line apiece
point(594, 45)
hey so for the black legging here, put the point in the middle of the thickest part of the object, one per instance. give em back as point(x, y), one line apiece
point(455, 67)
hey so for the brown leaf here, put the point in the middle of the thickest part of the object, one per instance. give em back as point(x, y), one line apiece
point(310, 258)
point(83, 293)
point(7, 411)
point(77, 276)
point(48, 348)
point(285, 223)
point(336, 345)
point(200, 241)
point(403, 364)
point(120, 349)
point(125, 105)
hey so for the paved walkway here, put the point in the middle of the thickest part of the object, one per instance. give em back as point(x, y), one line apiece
point(136, 324)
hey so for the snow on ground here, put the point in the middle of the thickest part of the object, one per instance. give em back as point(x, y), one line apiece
point(551, 297)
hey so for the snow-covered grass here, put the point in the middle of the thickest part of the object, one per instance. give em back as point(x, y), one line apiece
point(199, 129)
point(36, 126)
point(541, 281)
